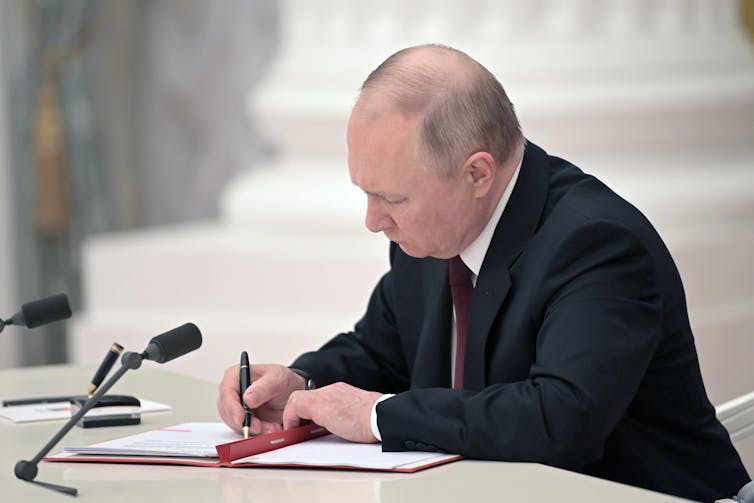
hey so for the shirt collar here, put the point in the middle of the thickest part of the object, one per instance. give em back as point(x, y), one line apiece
point(473, 255)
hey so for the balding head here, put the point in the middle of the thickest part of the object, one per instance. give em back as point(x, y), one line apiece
point(461, 107)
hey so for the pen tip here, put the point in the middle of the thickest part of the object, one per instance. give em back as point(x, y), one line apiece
point(245, 432)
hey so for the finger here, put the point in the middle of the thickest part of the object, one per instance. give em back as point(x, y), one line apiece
point(268, 386)
point(256, 426)
point(232, 408)
point(259, 426)
point(298, 408)
point(227, 417)
point(268, 427)
point(233, 420)
point(231, 377)
point(228, 401)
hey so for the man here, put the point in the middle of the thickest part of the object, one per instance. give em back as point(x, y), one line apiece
point(529, 314)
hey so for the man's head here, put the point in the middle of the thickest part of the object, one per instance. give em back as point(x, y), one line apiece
point(433, 141)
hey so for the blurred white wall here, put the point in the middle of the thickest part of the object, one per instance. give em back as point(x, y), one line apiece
point(8, 346)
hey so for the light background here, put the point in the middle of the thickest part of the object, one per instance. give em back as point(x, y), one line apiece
point(209, 135)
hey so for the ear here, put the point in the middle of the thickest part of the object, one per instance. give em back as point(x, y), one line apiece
point(479, 171)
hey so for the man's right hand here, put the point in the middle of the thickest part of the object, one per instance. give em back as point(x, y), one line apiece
point(271, 385)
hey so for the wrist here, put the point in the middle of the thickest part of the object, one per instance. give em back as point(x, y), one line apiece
point(373, 417)
point(308, 382)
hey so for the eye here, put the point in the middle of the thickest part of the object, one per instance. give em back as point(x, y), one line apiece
point(397, 201)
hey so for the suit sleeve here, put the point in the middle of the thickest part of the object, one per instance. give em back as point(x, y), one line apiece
point(368, 357)
point(599, 322)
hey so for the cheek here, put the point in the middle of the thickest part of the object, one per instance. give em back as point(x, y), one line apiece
point(441, 224)
point(406, 218)
point(420, 227)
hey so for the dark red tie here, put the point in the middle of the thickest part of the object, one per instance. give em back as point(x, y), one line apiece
point(461, 289)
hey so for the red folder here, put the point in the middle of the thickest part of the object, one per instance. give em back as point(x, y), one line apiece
point(232, 451)
point(268, 442)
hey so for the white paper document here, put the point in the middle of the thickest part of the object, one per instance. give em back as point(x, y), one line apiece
point(59, 410)
point(196, 440)
point(334, 451)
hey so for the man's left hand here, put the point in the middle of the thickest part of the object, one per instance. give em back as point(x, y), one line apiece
point(341, 408)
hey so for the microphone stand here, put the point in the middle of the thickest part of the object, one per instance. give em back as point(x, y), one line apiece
point(27, 470)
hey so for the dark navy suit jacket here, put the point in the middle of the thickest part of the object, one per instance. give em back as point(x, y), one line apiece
point(580, 354)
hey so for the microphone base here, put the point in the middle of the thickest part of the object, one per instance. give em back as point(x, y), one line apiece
point(70, 491)
point(26, 470)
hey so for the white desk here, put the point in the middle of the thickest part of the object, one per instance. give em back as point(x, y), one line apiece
point(194, 400)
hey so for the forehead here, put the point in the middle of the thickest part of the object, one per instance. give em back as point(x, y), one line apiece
point(381, 144)
point(376, 119)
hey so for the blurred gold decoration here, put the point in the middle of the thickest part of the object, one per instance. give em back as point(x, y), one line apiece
point(747, 13)
point(52, 208)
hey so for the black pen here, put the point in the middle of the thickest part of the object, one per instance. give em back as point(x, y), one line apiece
point(38, 400)
point(104, 368)
point(107, 364)
point(245, 383)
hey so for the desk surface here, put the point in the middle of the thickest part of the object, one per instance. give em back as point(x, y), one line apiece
point(194, 400)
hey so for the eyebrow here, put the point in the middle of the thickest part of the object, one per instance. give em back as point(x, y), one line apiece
point(378, 194)
point(387, 197)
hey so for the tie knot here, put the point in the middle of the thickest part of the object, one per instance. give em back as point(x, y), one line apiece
point(460, 275)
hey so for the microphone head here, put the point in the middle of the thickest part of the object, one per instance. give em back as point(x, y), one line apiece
point(174, 343)
point(43, 311)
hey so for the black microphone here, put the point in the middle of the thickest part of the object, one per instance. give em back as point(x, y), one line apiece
point(173, 343)
point(161, 349)
point(40, 312)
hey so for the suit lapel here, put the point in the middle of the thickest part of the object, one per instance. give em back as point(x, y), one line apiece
point(517, 224)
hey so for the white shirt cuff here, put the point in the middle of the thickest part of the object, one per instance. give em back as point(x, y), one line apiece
point(373, 417)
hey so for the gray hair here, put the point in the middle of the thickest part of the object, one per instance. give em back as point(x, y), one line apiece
point(462, 112)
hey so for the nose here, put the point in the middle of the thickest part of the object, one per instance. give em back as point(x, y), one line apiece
point(377, 219)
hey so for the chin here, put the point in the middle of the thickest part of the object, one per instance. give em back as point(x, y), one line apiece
point(413, 252)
